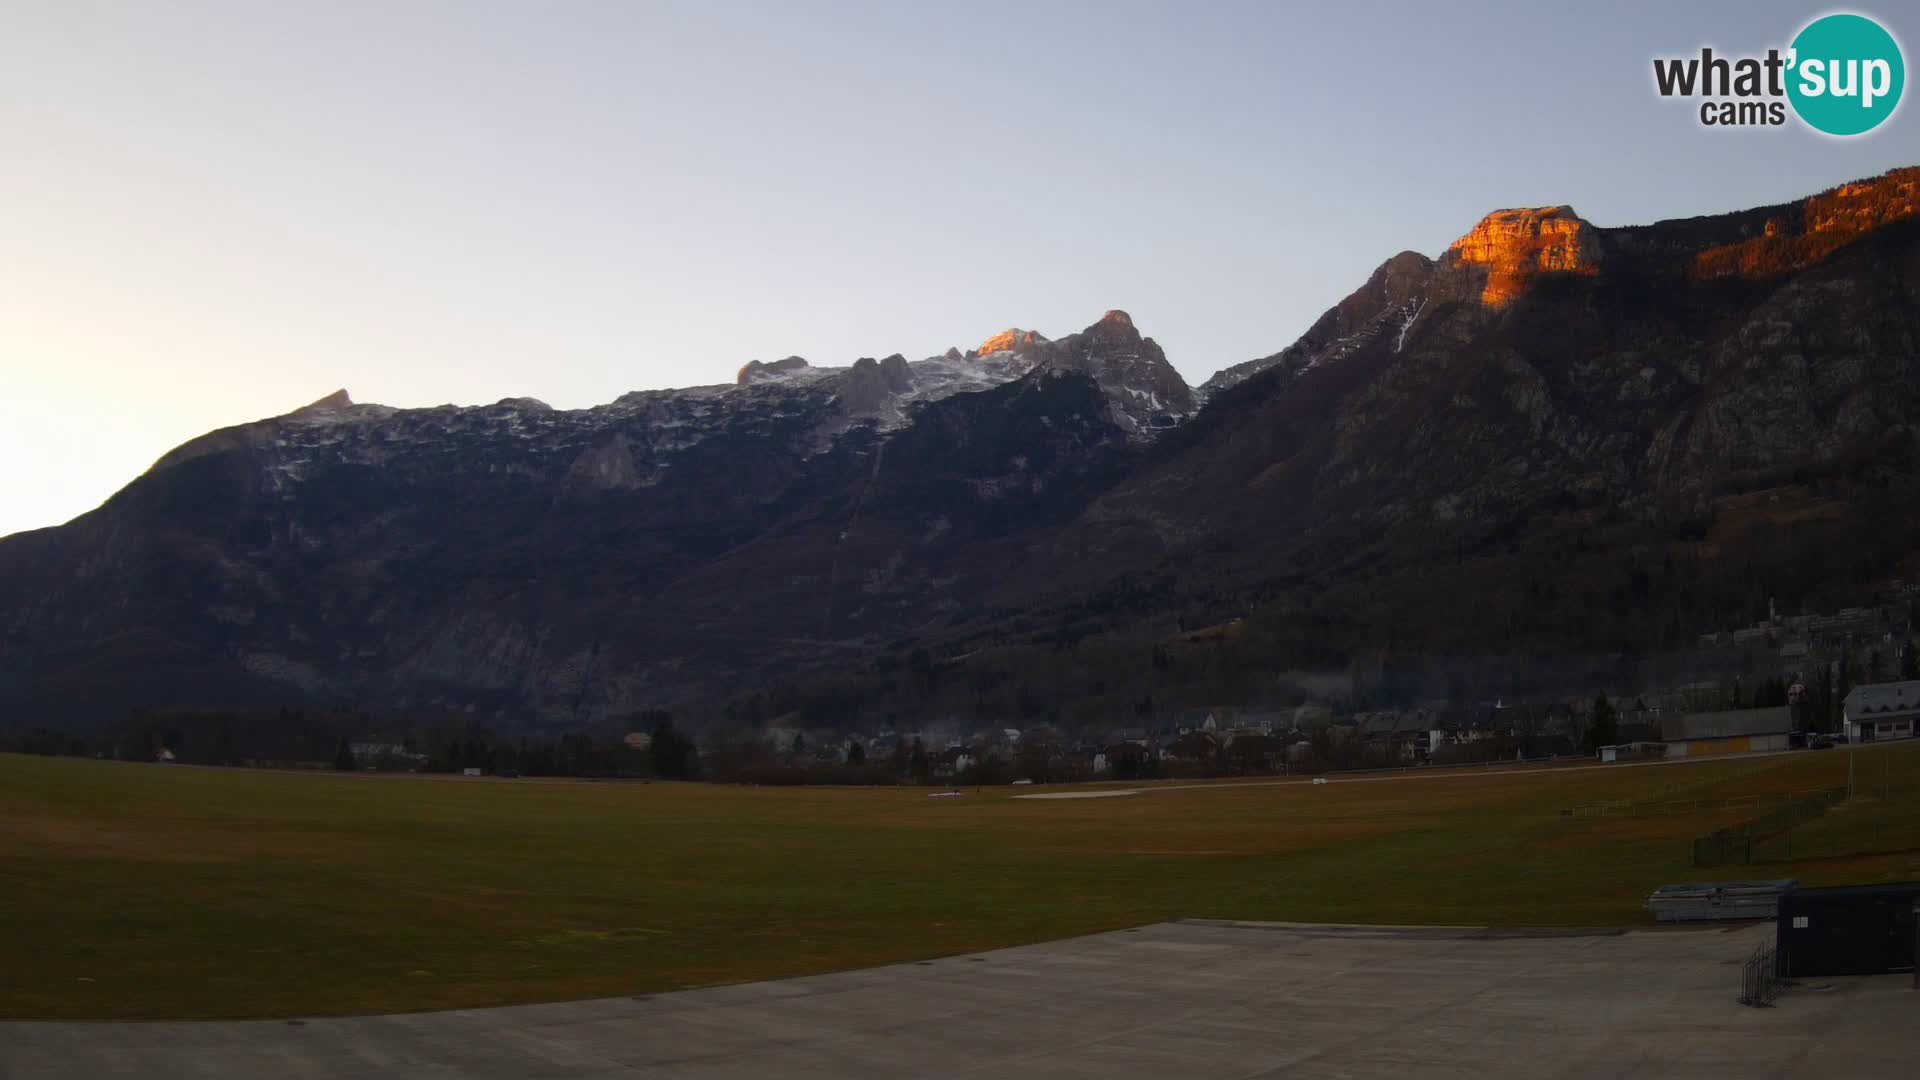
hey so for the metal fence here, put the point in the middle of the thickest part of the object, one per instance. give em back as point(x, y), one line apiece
point(1723, 846)
point(1760, 981)
point(1734, 844)
point(1863, 836)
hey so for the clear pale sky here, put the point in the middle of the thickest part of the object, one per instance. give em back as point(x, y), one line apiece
point(211, 213)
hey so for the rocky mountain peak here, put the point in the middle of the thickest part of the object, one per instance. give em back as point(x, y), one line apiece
point(1010, 340)
point(871, 384)
point(1394, 297)
point(1144, 389)
point(759, 371)
point(1514, 245)
point(1406, 276)
point(1115, 327)
point(339, 399)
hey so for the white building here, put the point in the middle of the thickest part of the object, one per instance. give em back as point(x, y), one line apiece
point(1881, 711)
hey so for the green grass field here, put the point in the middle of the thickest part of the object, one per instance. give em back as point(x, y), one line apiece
point(154, 891)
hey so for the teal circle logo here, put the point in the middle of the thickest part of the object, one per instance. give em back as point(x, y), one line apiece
point(1846, 74)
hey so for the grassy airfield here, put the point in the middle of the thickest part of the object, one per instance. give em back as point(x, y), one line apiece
point(138, 891)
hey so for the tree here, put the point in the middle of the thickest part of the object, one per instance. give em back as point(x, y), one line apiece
point(1817, 712)
point(671, 754)
point(1603, 729)
point(343, 758)
point(1038, 750)
point(1770, 693)
point(919, 766)
point(1849, 678)
point(856, 753)
point(986, 768)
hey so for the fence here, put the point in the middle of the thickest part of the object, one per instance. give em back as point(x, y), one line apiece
point(1760, 978)
point(1684, 807)
point(1865, 835)
point(1735, 842)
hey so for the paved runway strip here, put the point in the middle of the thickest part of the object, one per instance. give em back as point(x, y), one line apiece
point(1188, 999)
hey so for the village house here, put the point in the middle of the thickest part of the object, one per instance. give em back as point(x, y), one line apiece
point(1881, 711)
point(370, 754)
point(952, 761)
point(1195, 746)
point(1405, 736)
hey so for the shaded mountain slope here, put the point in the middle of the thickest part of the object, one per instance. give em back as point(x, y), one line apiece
point(1552, 436)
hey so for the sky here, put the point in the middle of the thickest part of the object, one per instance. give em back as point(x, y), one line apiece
point(216, 212)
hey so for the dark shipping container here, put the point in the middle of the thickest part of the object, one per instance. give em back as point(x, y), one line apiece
point(1847, 930)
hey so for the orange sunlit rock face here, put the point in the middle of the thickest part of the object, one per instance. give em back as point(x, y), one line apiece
point(1515, 245)
point(1855, 208)
point(1825, 223)
point(1009, 339)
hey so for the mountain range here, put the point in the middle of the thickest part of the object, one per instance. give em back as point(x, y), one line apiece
point(1554, 436)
